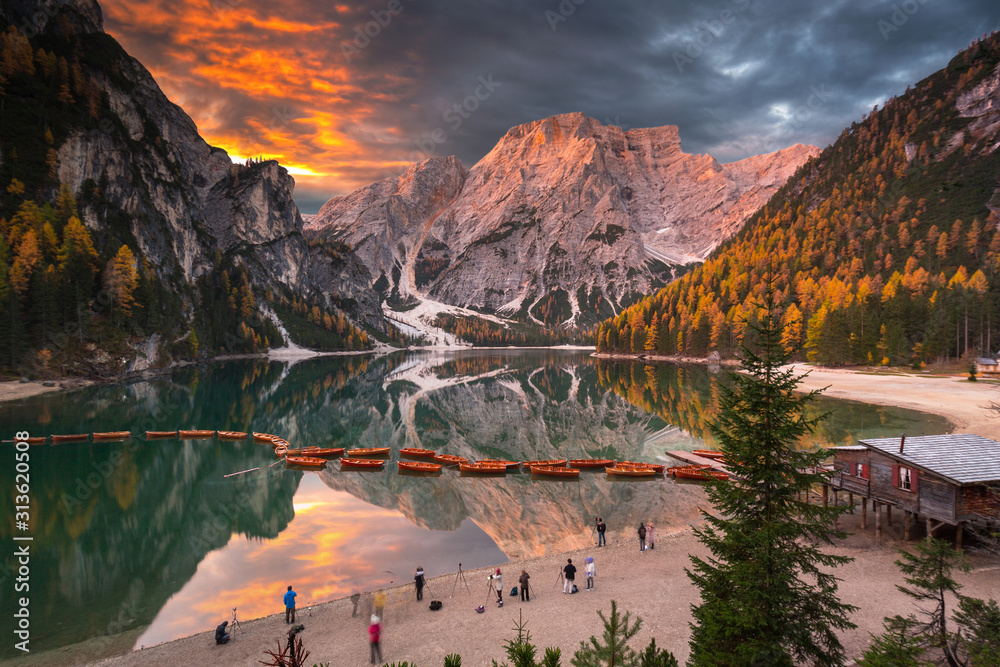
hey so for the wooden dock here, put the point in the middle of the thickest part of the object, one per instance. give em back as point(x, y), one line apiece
point(695, 460)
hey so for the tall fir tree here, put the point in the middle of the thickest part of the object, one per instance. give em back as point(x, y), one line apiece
point(768, 597)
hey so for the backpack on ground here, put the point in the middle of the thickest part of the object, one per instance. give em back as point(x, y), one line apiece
point(435, 605)
point(513, 591)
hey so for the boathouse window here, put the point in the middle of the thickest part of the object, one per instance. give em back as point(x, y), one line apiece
point(861, 470)
point(904, 478)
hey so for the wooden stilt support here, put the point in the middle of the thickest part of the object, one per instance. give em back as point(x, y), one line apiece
point(958, 536)
point(930, 529)
point(850, 501)
point(836, 517)
point(888, 515)
point(907, 517)
point(878, 525)
point(826, 493)
point(864, 514)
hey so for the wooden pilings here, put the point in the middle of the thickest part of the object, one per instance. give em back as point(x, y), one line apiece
point(878, 523)
point(864, 513)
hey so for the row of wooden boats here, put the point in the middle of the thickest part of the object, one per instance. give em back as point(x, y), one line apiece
point(111, 436)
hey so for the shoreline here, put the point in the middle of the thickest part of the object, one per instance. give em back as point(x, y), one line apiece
point(653, 585)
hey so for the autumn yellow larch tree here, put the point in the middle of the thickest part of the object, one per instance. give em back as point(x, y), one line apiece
point(120, 279)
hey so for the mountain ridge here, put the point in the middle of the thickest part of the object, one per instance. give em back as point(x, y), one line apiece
point(564, 219)
point(884, 251)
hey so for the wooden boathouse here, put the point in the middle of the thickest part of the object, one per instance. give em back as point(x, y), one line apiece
point(941, 479)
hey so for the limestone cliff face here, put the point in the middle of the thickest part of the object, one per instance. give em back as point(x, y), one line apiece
point(564, 206)
point(145, 175)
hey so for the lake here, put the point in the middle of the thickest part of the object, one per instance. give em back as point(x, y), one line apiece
point(141, 542)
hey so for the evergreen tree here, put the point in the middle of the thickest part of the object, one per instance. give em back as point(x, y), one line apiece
point(614, 650)
point(768, 597)
point(521, 652)
point(896, 647)
point(928, 574)
point(980, 623)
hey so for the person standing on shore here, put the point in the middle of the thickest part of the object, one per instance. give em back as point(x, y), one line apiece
point(650, 533)
point(355, 599)
point(419, 581)
point(498, 585)
point(642, 537)
point(590, 571)
point(600, 532)
point(374, 634)
point(525, 595)
point(290, 606)
point(569, 575)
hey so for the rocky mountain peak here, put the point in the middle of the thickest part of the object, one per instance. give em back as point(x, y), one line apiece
point(564, 215)
point(57, 17)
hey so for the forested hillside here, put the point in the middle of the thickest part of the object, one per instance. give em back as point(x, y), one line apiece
point(884, 248)
point(124, 235)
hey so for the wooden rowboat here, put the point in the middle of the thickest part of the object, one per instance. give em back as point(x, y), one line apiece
point(657, 467)
point(263, 438)
point(509, 465)
point(315, 452)
point(160, 435)
point(419, 466)
point(483, 468)
point(37, 440)
point(546, 462)
point(708, 454)
point(368, 451)
point(450, 459)
point(232, 435)
point(590, 464)
point(672, 470)
point(76, 437)
point(196, 435)
point(320, 452)
point(555, 471)
point(417, 453)
point(362, 464)
point(306, 461)
point(701, 474)
point(629, 471)
point(113, 435)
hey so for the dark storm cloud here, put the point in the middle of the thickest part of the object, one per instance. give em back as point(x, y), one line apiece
point(739, 77)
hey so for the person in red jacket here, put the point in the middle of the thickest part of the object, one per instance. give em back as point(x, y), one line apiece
point(374, 632)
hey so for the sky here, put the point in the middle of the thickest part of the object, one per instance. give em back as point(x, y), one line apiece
point(347, 94)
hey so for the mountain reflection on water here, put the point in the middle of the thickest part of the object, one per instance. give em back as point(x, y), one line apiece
point(141, 542)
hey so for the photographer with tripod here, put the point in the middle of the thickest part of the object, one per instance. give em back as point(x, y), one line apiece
point(496, 585)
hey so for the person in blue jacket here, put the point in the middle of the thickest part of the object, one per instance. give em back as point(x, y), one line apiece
point(290, 606)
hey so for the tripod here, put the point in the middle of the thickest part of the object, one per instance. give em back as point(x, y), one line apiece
point(461, 575)
point(491, 591)
point(234, 624)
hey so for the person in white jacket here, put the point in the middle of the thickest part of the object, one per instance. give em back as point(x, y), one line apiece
point(589, 570)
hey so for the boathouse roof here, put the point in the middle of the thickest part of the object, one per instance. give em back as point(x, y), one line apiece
point(963, 458)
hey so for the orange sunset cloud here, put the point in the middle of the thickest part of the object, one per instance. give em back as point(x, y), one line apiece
point(262, 84)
